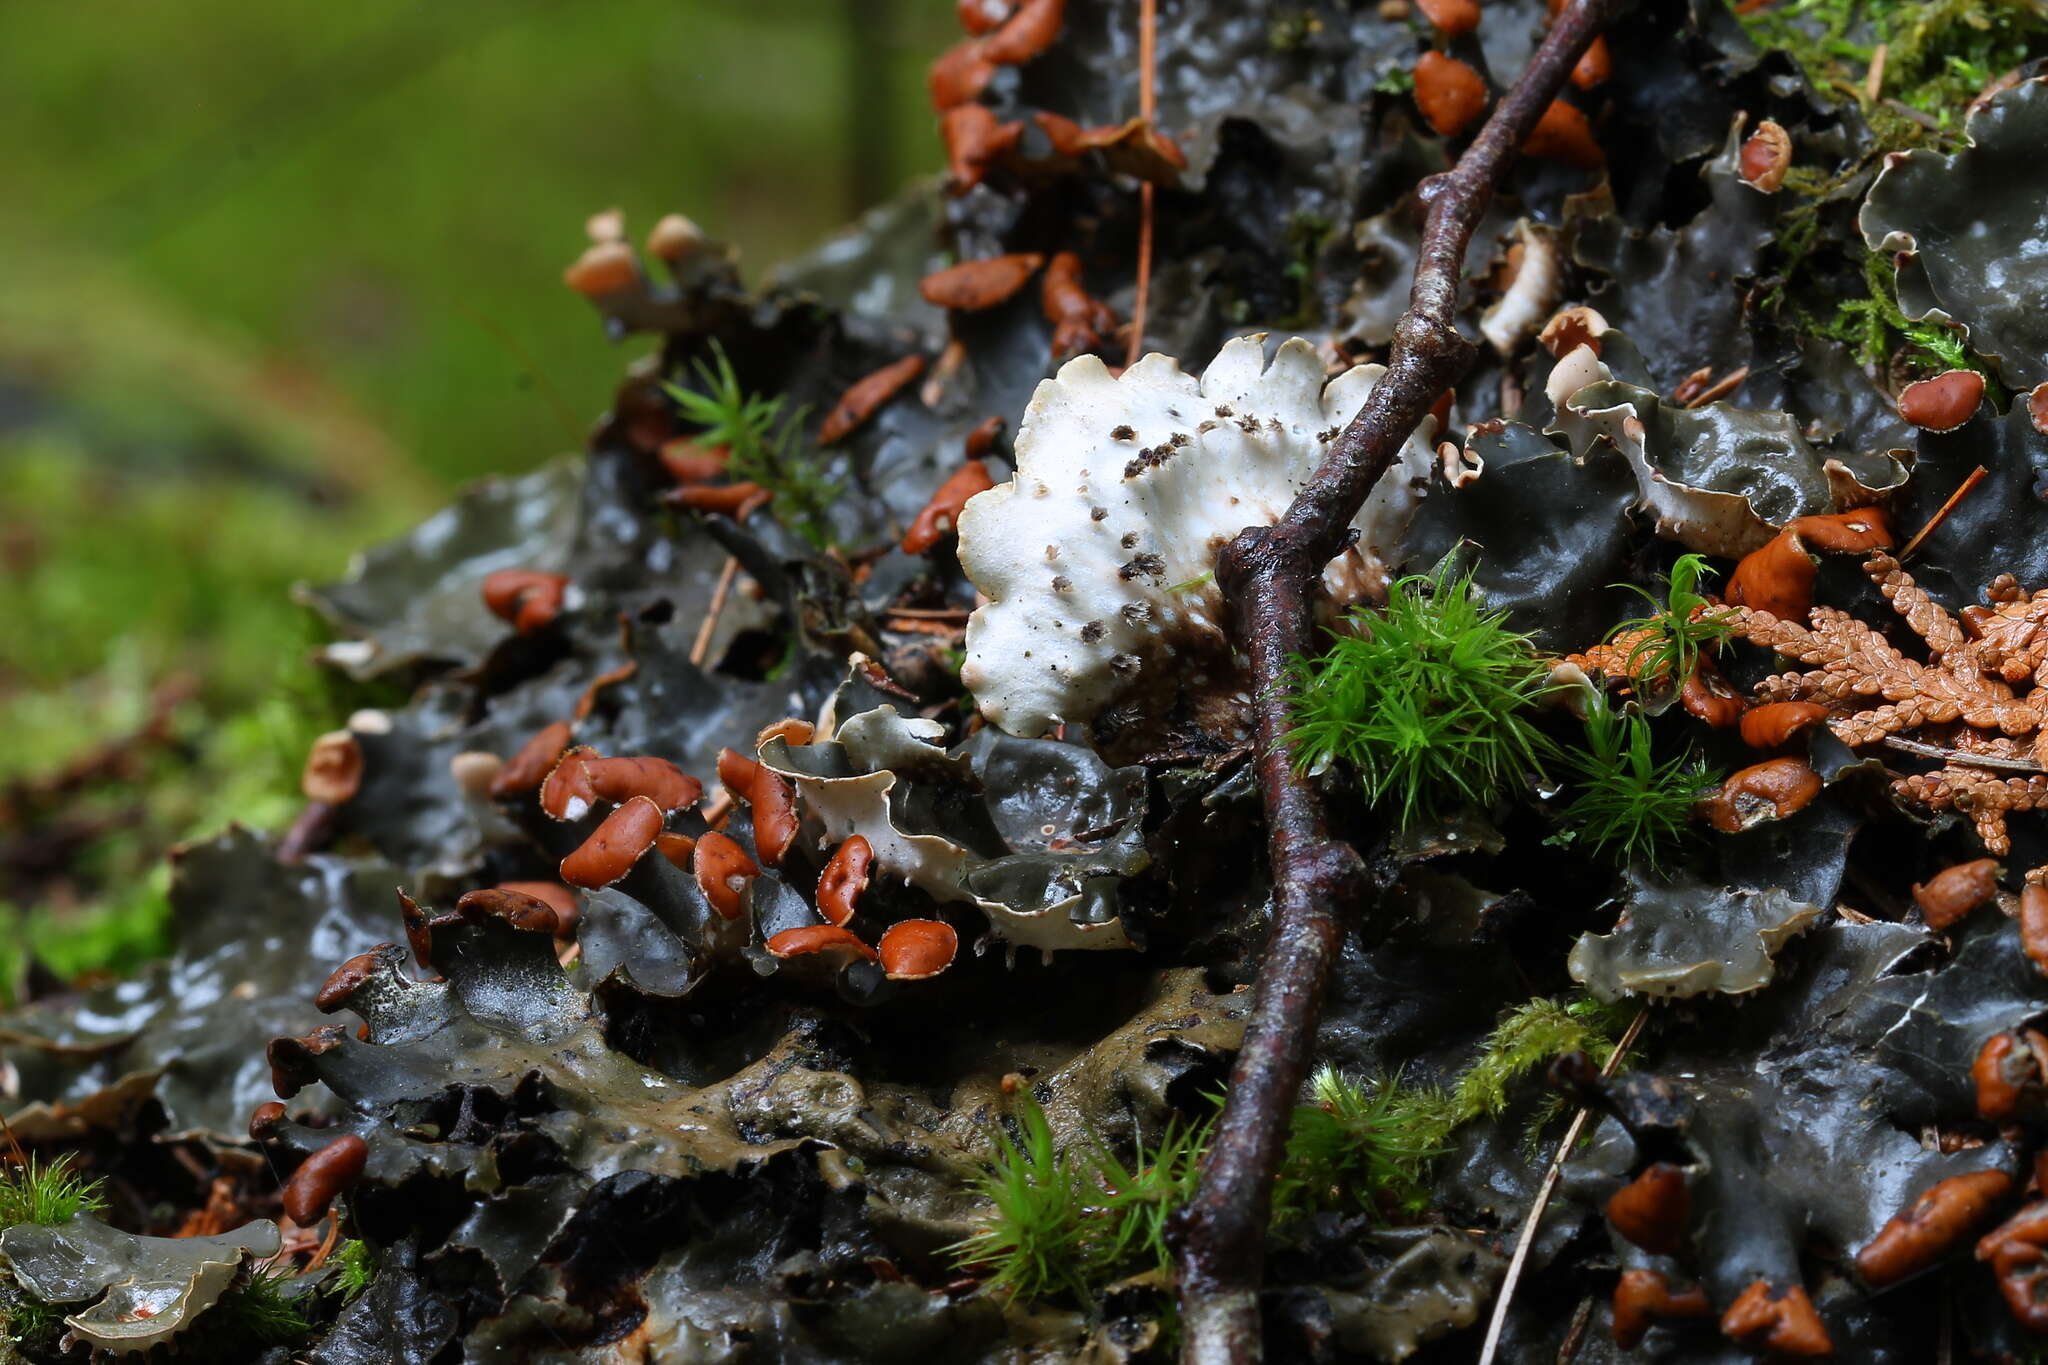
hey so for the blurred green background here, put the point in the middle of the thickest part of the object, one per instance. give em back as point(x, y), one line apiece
point(276, 278)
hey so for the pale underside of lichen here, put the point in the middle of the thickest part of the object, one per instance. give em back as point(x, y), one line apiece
point(1962, 701)
point(1098, 558)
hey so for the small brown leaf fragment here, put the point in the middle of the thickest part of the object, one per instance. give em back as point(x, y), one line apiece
point(1955, 891)
point(1642, 1298)
point(867, 395)
point(1765, 156)
point(614, 846)
point(622, 779)
point(1944, 402)
point(974, 285)
point(1563, 134)
point(723, 869)
point(566, 794)
point(1770, 790)
point(1768, 726)
point(344, 981)
point(918, 949)
point(535, 759)
point(1785, 1324)
point(604, 268)
point(2034, 926)
point(334, 768)
point(1449, 93)
point(1932, 1226)
point(527, 913)
point(1451, 17)
point(940, 515)
point(1652, 1210)
point(322, 1176)
point(771, 797)
point(844, 878)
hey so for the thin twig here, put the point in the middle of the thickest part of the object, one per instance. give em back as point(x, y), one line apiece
point(1268, 574)
point(1148, 24)
point(702, 645)
point(1941, 513)
point(1964, 757)
point(1720, 388)
point(1543, 1193)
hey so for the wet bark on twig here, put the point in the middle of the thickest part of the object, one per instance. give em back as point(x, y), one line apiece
point(1268, 574)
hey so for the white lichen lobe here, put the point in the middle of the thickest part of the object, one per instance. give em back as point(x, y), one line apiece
point(1099, 558)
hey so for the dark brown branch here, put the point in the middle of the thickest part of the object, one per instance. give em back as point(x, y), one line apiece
point(1268, 573)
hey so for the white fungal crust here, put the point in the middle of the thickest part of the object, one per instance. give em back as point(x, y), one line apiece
point(1098, 559)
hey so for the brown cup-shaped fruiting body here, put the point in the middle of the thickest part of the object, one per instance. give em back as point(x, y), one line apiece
point(1707, 695)
point(789, 730)
point(1079, 320)
point(844, 878)
point(1784, 1324)
point(936, 520)
point(267, 1116)
point(554, 896)
point(866, 396)
point(1029, 31)
point(604, 268)
point(1571, 328)
point(1594, 66)
point(525, 912)
point(1652, 1210)
point(679, 849)
point(828, 941)
point(974, 285)
point(344, 981)
point(1944, 402)
point(529, 598)
point(657, 779)
point(1770, 790)
point(618, 842)
point(1931, 1226)
point(975, 140)
point(1770, 725)
point(322, 1176)
point(771, 797)
point(2018, 1252)
point(959, 75)
point(2037, 407)
point(566, 794)
point(674, 238)
point(1563, 134)
point(535, 759)
point(1765, 157)
point(475, 772)
point(918, 949)
point(690, 463)
point(1642, 1298)
point(1451, 17)
point(1955, 891)
point(1853, 532)
point(1777, 577)
point(1450, 94)
point(334, 768)
point(723, 869)
point(2004, 1067)
point(735, 500)
point(2034, 926)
